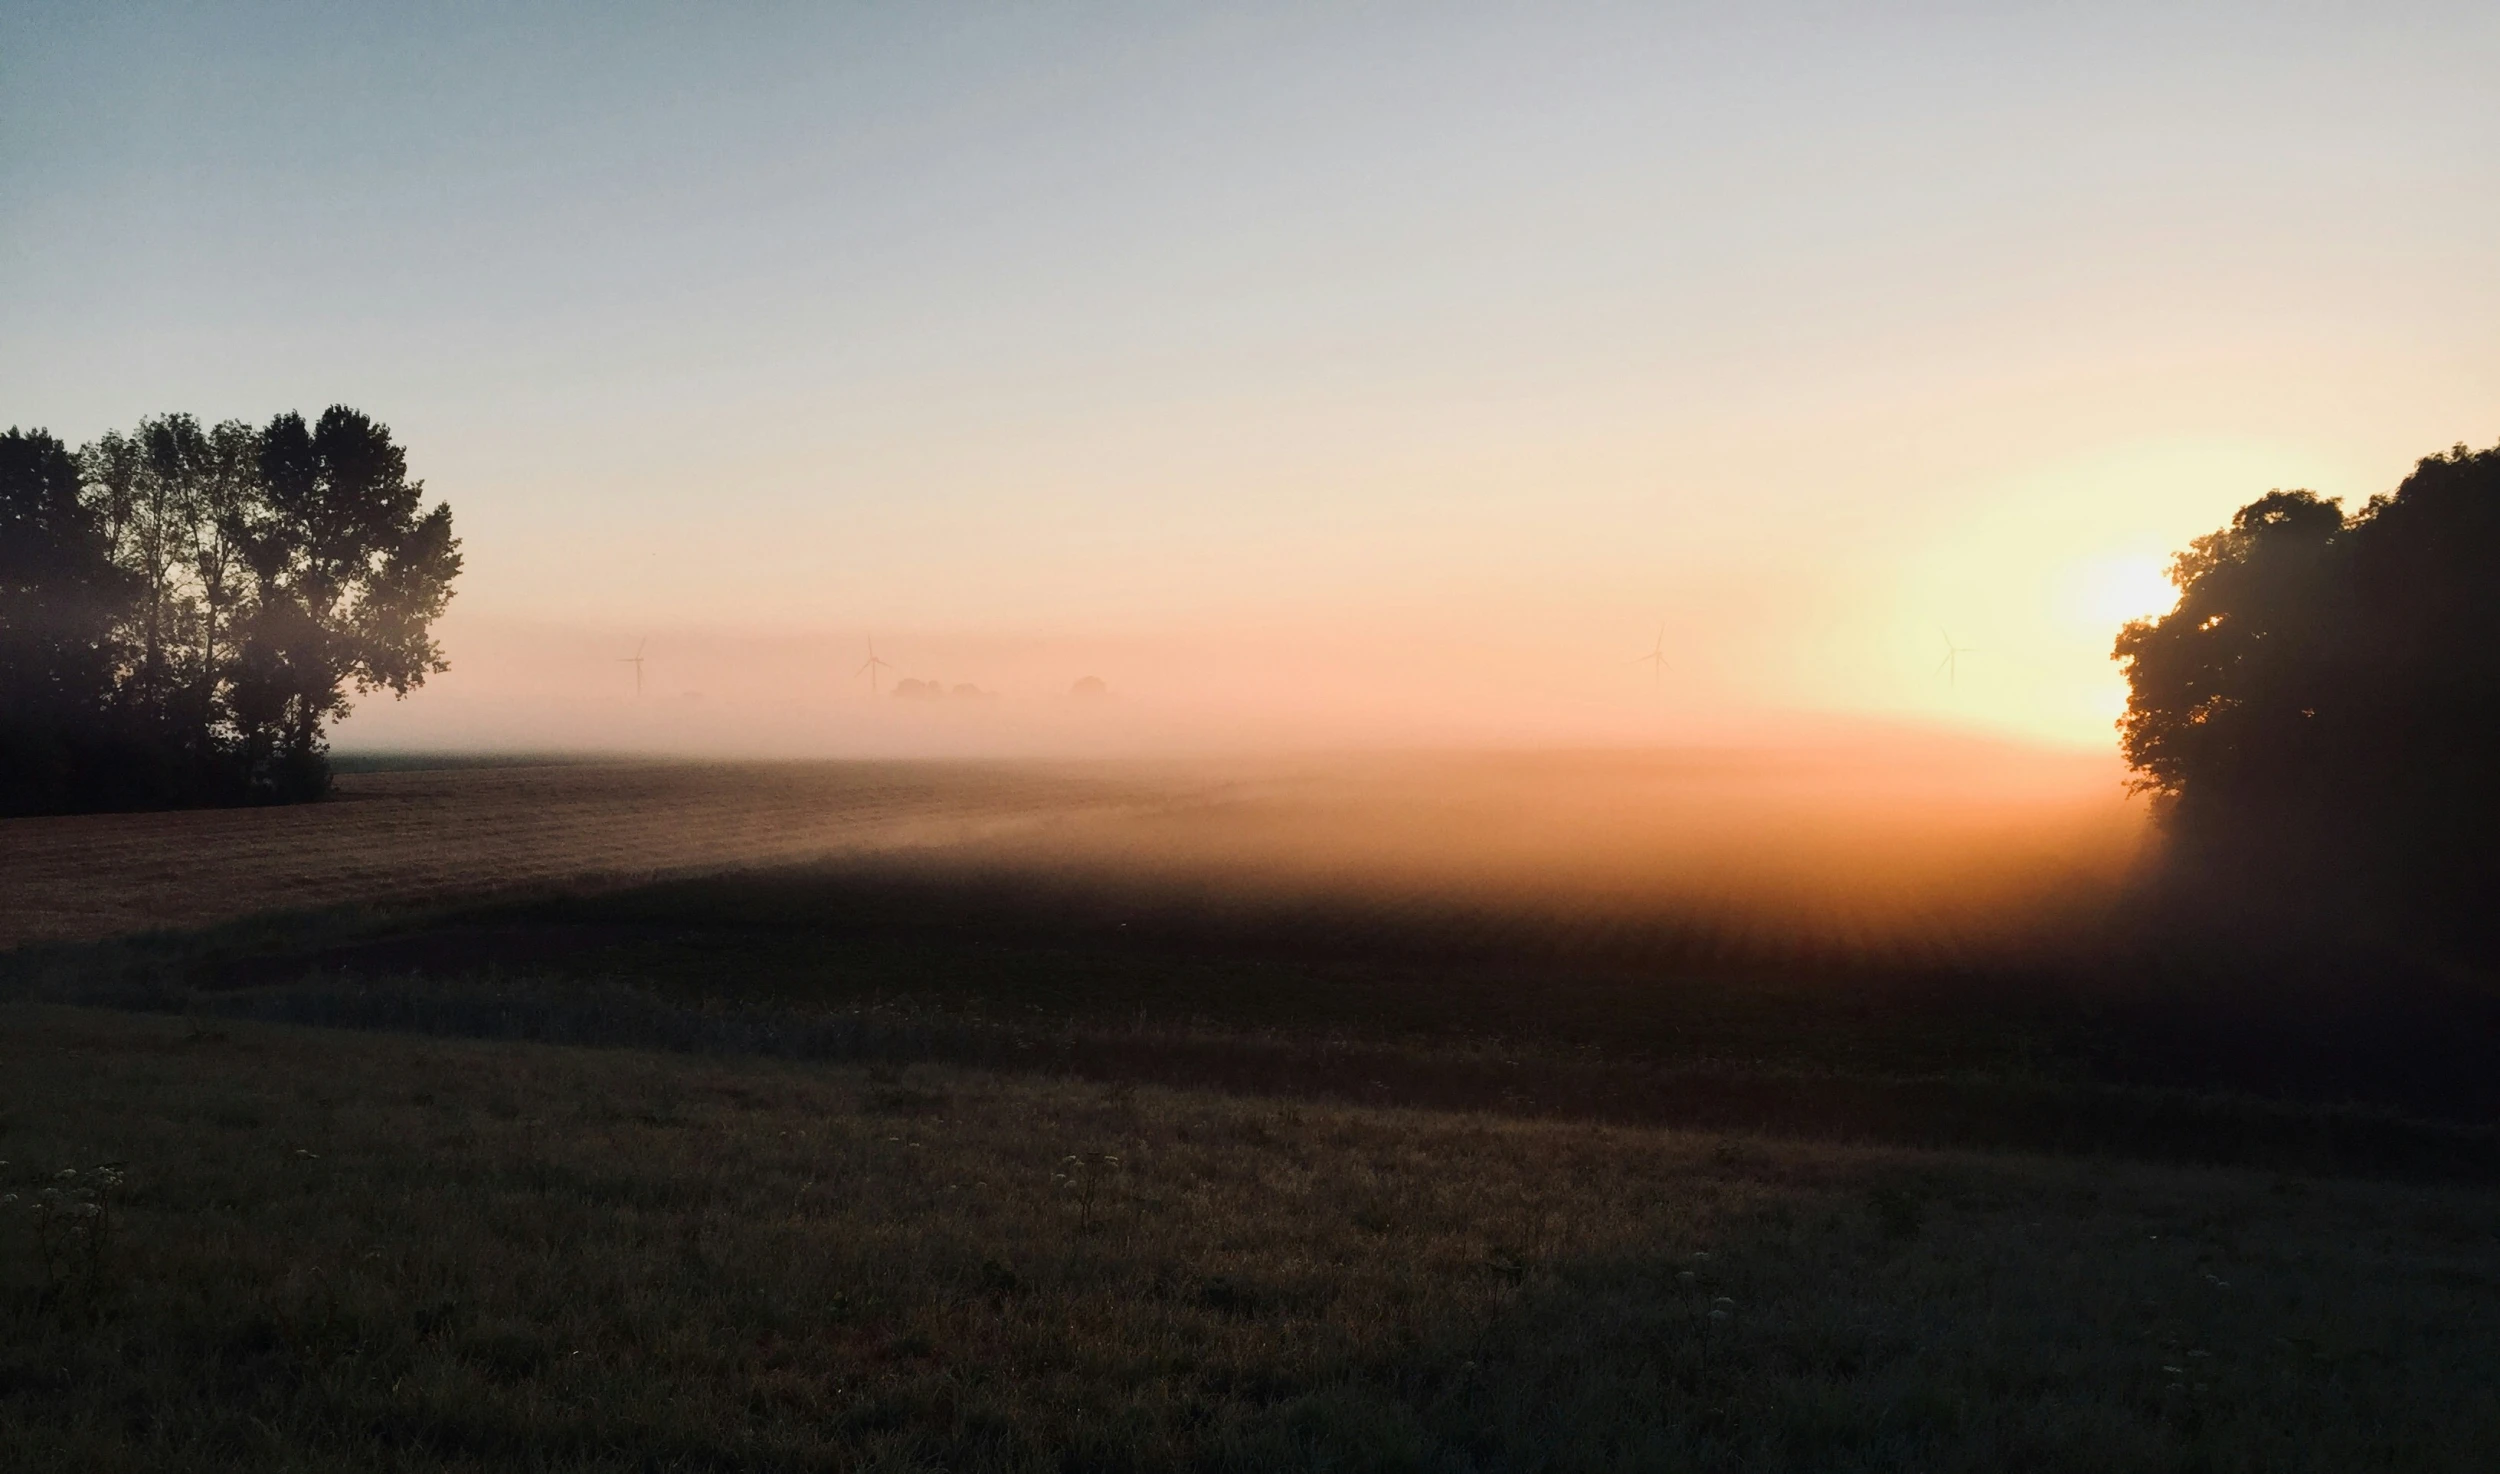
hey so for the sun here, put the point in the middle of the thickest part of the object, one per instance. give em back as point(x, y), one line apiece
point(2111, 591)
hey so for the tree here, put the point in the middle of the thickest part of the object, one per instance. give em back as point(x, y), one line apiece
point(184, 608)
point(224, 501)
point(164, 508)
point(349, 574)
point(61, 599)
point(2319, 717)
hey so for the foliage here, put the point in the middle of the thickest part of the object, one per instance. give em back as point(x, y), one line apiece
point(60, 597)
point(2319, 711)
point(184, 606)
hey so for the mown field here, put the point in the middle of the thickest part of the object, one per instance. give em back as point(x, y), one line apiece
point(2155, 1046)
point(1463, 1114)
point(1929, 852)
point(409, 834)
point(374, 1251)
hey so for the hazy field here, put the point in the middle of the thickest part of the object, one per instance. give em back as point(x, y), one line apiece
point(372, 1251)
point(1533, 1111)
point(465, 831)
point(1952, 928)
point(1881, 843)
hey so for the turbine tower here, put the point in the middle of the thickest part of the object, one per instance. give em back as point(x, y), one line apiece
point(872, 665)
point(1656, 659)
point(1951, 665)
point(635, 660)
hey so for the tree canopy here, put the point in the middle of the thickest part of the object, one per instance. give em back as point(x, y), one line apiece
point(2320, 714)
point(185, 607)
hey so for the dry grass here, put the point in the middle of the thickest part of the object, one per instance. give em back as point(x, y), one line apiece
point(341, 1250)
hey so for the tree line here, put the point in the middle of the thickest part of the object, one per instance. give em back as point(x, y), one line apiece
point(185, 607)
point(2319, 716)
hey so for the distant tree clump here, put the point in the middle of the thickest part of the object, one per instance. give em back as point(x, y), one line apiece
point(2319, 717)
point(184, 607)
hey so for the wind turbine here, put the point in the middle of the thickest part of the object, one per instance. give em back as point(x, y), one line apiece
point(635, 660)
point(1951, 664)
point(872, 666)
point(1656, 659)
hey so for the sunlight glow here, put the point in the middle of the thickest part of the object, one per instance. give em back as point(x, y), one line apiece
point(2118, 590)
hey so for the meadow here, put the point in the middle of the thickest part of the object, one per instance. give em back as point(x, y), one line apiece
point(364, 1250)
point(1450, 1113)
point(400, 833)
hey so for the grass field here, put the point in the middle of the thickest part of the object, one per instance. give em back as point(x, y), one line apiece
point(417, 833)
point(341, 1250)
point(1931, 853)
point(1450, 1114)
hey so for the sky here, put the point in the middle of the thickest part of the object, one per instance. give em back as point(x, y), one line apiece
point(1346, 373)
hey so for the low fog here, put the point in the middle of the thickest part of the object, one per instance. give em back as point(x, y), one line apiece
point(1901, 846)
point(1637, 799)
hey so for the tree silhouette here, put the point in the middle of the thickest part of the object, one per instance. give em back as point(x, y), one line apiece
point(2320, 714)
point(62, 598)
point(183, 608)
point(349, 575)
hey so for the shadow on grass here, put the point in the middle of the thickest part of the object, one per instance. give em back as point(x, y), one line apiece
point(2161, 1047)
